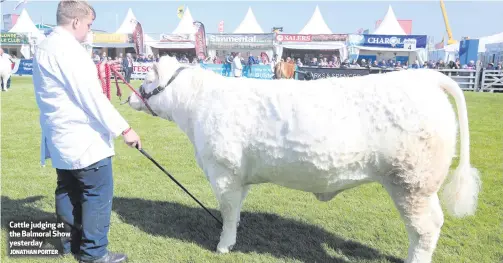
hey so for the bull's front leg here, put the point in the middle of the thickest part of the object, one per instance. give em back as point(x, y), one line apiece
point(230, 193)
point(230, 203)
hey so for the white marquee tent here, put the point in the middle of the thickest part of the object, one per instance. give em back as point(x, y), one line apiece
point(389, 25)
point(316, 25)
point(249, 24)
point(128, 26)
point(24, 25)
point(184, 27)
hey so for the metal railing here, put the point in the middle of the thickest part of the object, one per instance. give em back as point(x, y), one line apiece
point(491, 81)
point(466, 78)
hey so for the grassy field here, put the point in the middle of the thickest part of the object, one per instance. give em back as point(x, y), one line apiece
point(155, 221)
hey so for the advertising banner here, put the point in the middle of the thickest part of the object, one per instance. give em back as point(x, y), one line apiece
point(255, 71)
point(138, 38)
point(174, 38)
point(319, 73)
point(13, 39)
point(240, 41)
point(311, 38)
point(140, 69)
point(22, 67)
point(110, 38)
point(201, 48)
point(410, 42)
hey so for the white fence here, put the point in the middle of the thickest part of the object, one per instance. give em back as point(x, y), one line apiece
point(479, 80)
point(491, 81)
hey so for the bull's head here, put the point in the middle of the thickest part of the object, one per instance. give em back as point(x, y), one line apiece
point(155, 95)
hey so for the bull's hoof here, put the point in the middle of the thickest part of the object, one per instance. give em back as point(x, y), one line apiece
point(224, 249)
point(325, 197)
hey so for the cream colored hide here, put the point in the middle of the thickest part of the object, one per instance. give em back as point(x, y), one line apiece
point(325, 136)
point(5, 71)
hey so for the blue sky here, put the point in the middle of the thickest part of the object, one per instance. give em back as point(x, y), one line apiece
point(466, 18)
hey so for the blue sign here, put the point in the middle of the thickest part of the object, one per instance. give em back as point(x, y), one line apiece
point(255, 71)
point(25, 67)
point(406, 42)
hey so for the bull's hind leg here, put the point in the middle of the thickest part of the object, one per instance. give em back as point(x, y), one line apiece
point(244, 193)
point(423, 218)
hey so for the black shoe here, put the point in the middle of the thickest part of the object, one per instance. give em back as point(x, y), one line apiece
point(110, 257)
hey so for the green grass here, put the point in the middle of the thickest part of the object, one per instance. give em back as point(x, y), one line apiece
point(155, 221)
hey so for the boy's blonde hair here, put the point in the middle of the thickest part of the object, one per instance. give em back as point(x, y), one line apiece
point(71, 9)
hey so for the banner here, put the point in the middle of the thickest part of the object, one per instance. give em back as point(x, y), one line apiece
point(110, 38)
point(174, 38)
point(319, 73)
point(241, 41)
point(410, 42)
point(138, 38)
point(311, 38)
point(255, 71)
point(140, 69)
point(201, 49)
point(13, 39)
point(23, 67)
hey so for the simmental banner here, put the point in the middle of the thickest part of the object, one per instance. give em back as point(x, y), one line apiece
point(411, 42)
point(240, 41)
point(138, 38)
point(311, 38)
point(201, 49)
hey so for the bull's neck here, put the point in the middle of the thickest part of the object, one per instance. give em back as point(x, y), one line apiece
point(184, 109)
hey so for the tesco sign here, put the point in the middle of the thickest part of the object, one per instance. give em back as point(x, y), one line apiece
point(140, 69)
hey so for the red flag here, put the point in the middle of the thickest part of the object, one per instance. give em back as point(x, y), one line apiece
point(138, 38)
point(200, 40)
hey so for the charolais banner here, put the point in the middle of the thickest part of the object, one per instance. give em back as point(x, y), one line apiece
point(320, 73)
point(201, 49)
point(389, 41)
point(240, 41)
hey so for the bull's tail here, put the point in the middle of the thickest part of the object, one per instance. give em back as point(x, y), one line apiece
point(460, 194)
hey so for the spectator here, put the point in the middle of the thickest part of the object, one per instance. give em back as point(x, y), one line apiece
point(299, 63)
point(499, 66)
point(415, 65)
point(237, 67)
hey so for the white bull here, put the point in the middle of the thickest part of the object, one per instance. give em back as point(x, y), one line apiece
point(325, 136)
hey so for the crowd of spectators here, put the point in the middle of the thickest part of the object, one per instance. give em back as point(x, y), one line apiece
point(320, 61)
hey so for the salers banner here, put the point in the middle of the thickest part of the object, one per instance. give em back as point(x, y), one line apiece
point(389, 41)
point(311, 38)
point(240, 41)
